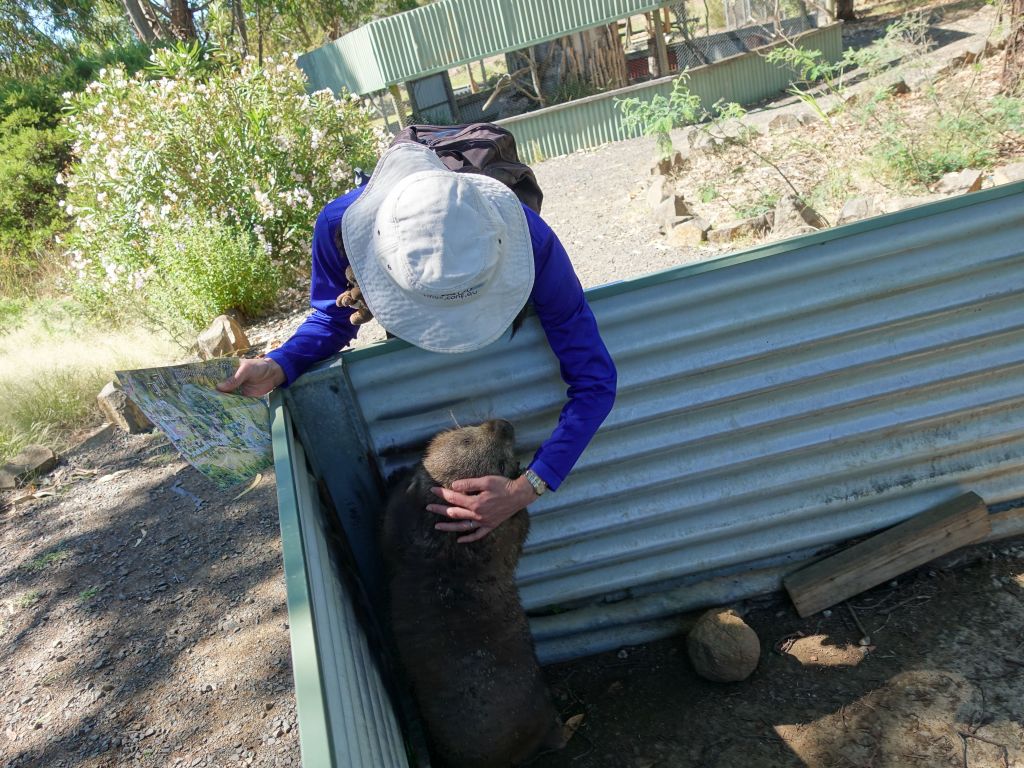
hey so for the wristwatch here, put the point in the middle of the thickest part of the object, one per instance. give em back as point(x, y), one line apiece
point(536, 481)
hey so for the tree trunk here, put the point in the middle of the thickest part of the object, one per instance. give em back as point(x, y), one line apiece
point(183, 26)
point(146, 25)
point(238, 16)
point(1013, 63)
point(595, 57)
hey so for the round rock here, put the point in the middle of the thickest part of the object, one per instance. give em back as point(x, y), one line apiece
point(722, 647)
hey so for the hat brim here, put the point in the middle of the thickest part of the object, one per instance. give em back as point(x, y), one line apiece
point(459, 328)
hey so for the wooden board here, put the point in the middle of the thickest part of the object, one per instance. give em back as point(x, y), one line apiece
point(953, 524)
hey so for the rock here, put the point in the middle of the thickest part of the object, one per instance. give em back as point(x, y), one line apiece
point(959, 182)
point(918, 80)
point(656, 193)
point(786, 121)
point(968, 54)
point(688, 232)
point(666, 166)
point(794, 217)
point(702, 141)
point(735, 129)
point(32, 460)
point(670, 210)
point(224, 337)
point(119, 410)
point(976, 50)
point(755, 225)
point(1008, 173)
point(894, 84)
point(857, 208)
point(722, 647)
point(902, 203)
point(96, 437)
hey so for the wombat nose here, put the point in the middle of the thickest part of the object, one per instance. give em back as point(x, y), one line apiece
point(503, 429)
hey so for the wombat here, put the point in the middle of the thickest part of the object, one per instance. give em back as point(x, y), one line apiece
point(459, 628)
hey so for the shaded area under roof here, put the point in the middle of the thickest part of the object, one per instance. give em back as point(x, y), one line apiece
point(447, 33)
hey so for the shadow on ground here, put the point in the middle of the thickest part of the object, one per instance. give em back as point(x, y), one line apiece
point(144, 619)
point(939, 683)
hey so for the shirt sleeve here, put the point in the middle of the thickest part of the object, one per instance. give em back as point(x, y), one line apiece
point(585, 364)
point(327, 329)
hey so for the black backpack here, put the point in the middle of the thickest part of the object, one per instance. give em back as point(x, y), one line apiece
point(479, 148)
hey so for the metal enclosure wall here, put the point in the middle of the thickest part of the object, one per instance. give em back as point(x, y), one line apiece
point(771, 403)
point(447, 33)
point(345, 713)
point(595, 120)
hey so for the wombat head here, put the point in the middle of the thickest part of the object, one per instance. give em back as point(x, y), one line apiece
point(486, 449)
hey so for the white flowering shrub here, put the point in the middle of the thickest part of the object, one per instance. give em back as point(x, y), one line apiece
point(235, 155)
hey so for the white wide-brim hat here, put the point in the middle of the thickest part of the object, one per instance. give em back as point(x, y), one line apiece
point(444, 259)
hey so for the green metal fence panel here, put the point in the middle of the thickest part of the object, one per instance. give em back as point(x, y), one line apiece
point(596, 120)
point(345, 712)
point(447, 33)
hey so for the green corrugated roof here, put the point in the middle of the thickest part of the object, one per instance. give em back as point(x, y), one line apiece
point(451, 32)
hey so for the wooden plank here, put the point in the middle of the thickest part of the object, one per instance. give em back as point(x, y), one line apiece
point(948, 526)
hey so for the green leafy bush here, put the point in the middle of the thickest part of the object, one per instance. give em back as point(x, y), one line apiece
point(31, 156)
point(197, 271)
point(660, 115)
point(242, 146)
point(951, 143)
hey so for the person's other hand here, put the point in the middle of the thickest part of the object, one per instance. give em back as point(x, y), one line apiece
point(477, 505)
point(254, 377)
point(353, 298)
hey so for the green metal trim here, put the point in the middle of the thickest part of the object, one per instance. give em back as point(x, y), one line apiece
point(310, 698)
point(760, 252)
point(745, 78)
point(448, 33)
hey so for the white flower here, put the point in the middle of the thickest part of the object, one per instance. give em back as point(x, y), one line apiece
point(165, 209)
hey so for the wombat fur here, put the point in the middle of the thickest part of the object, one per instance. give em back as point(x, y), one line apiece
point(459, 628)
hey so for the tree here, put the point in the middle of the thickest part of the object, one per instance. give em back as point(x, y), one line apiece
point(170, 20)
point(1013, 64)
point(844, 10)
point(37, 35)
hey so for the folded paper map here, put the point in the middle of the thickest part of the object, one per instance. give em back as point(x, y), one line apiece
point(224, 436)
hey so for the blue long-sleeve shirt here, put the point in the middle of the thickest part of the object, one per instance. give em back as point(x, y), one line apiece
point(558, 300)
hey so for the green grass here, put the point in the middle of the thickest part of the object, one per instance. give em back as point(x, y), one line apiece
point(53, 363)
point(43, 562)
point(88, 594)
point(12, 311)
point(764, 203)
point(30, 598)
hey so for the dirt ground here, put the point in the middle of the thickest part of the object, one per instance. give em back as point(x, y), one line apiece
point(937, 681)
point(143, 617)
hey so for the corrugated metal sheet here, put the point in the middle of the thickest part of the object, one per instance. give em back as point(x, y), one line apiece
point(771, 403)
point(595, 120)
point(447, 33)
point(346, 716)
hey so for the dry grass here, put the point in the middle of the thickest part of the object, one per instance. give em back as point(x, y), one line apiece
point(52, 366)
point(831, 162)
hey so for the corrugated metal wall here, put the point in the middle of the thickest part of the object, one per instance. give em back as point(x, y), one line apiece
point(447, 33)
point(770, 403)
point(596, 120)
point(345, 713)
